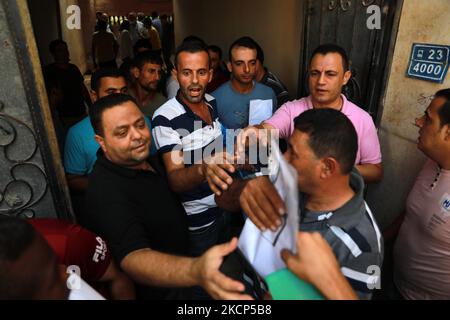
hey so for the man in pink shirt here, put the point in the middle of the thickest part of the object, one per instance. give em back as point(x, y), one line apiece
point(328, 73)
point(422, 248)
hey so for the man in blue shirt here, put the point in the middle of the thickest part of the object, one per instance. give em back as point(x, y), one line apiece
point(235, 97)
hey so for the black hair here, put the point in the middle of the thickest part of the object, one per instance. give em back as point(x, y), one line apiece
point(215, 49)
point(444, 93)
point(444, 111)
point(147, 57)
point(154, 14)
point(16, 236)
point(105, 103)
point(147, 21)
point(191, 46)
point(142, 43)
point(245, 42)
point(331, 134)
point(324, 49)
point(102, 25)
point(192, 38)
point(103, 73)
point(52, 46)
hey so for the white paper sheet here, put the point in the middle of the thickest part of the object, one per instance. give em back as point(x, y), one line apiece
point(263, 249)
point(84, 292)
point(259, 111)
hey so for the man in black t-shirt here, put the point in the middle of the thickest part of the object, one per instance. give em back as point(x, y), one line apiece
point(74, 93)
point(130, 205)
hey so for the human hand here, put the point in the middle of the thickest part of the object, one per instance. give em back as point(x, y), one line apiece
point(216, 169)
point(251, 136)
point(215, 282)
point(262, 203)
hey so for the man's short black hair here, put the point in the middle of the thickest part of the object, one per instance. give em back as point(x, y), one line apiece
point(191, 46)
point(141, 44)
point(105, 103)
point(245, 42)
point(324, 49)
point(103, 73)
point(52, 46)
point(259, 53)
point(147, 57)
point(444, 111)
point(193, 38)
point(215, 49)
point(102, 25)
point(154, 14)
point(16, 236)
point(331, 134)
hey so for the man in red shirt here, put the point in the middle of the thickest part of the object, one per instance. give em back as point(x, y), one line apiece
point(77, 246)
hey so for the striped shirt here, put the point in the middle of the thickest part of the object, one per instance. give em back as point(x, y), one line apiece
point(272, 81)
point(353, 234)
point(176, 127)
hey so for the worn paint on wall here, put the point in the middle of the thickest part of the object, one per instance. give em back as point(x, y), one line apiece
point(406, 99)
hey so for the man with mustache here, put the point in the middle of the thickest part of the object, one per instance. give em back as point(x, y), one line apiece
point(130, 206)
point(421, 251)
point(328, 72)
point(147, 74)
point(183, 128)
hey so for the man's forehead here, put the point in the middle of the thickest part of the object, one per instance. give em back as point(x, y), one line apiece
point(436, 104)
point(297, 138)
point(151, 65)
point(238, 53)
point(186, 58)
point(331, 60)
point(112, 81)
point(124, 110)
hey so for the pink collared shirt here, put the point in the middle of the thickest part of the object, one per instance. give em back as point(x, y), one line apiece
point(368, 144)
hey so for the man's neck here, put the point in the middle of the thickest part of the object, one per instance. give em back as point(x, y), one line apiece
point(444, 160)
point(241, 87)
point(62, 65)
point(336, 104)
point(142, 95)
point(144, 165)
point(330, 198)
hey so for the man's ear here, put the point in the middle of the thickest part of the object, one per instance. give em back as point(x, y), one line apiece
point(101, 142)
point(94, 96)
point(174, 73)
point(329, 167)
point(210, 71)
point(446, 130)
point(135, 72)
point(229, 66)
point(347, 76)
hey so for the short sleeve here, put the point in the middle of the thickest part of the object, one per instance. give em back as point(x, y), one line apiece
point(166, 138)
point(282, 121)
point(74, 161)
point(124, 231)
point(369, 144)
point(89, 251)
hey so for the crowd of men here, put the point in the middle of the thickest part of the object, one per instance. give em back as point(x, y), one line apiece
point(165, 218)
